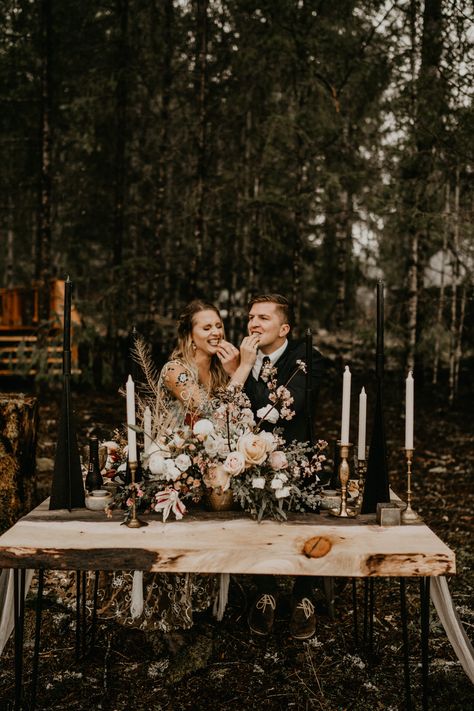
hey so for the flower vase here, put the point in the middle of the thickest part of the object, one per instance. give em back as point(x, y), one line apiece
point(218, 500)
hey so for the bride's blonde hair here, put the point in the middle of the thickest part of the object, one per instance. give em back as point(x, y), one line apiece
point(184, 347)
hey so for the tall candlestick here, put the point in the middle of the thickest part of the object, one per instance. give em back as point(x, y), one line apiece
point(362, 425)
point(409, 411)
point(131, 434)
point(147, 428)
point(67, 314)
point(346, 405)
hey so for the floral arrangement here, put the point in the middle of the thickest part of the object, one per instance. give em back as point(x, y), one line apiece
point(224, 449)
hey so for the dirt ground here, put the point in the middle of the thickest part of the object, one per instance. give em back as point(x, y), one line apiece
point(220, 665)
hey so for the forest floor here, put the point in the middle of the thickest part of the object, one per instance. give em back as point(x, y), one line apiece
point(221, 665)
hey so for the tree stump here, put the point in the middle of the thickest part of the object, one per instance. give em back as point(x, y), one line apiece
point(18, 435)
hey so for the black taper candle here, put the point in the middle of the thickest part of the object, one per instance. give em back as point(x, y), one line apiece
point(67, 314)
point(67, 327)
point(379, 355)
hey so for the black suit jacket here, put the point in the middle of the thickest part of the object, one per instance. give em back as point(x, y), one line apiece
point(258, 392)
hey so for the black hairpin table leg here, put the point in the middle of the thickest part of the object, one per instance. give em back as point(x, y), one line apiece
point(78, 615)
point(39, 612)
point(425, 630)
point(94, 609)
point(19, 613)
point(406, 658)
point(354, 612)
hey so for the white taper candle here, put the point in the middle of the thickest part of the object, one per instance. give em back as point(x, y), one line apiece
point(346, 405)
point(131, 434)
point(362, 425)
point(409, 410)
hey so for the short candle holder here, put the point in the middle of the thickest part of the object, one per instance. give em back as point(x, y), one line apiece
point(344, 471)
point(134, 521)
point(408, 515)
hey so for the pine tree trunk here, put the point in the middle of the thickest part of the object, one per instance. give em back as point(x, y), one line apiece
point(454, 327)
point(442, 290)
point(43, 235)
point(120, 134)
point(161, 289)
point(458, 353)
point(10, 255)
point(412, 301)
point(201, 89)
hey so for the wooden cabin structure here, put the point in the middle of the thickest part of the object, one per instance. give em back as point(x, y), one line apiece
point(29, 347)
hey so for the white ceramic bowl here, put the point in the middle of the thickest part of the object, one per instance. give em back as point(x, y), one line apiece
point(98, 503)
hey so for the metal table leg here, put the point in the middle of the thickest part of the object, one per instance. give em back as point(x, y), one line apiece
point(39, 611)
point(19, 615)
point(425, 630)
point(406, 659)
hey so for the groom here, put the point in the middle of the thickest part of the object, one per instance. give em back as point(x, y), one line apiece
point(269, 325)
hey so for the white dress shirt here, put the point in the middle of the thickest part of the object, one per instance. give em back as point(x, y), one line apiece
point(273, 358)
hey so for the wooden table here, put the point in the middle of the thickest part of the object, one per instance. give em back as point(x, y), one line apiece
point(308, 544)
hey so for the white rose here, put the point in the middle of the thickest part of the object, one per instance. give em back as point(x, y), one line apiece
point(156, 462)
point(276, 483)
point(234, 463)
point(283, 492)
point(282, 476)
point(203, 427)
point(211, 445)
point(157, 447)
point(269, 414)
point(247, 417)
point(170, 470)
point(258, 482)
point(270, 441)
point(183, 462)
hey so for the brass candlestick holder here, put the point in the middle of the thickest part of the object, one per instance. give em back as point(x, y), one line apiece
point(344, 471)
point(408, 515)
point(134, 521)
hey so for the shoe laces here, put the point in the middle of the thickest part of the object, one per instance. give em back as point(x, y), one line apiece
point(265, 600)
point(307, 606)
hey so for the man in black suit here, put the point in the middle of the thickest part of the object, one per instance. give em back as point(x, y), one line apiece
point(269, 325)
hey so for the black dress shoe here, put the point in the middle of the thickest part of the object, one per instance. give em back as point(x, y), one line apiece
point(303, 619)
point(262, 614)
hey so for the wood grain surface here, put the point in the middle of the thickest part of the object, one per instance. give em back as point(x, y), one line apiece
point(228, 542)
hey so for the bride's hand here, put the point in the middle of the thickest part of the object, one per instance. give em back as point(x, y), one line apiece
point(229, 356)
point(248, 350)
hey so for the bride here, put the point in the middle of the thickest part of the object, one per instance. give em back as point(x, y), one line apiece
point(202, 363)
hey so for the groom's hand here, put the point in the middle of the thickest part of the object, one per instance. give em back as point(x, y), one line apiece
point(248, 350)
point(229, 357)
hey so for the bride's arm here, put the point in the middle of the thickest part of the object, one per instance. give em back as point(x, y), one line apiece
point(248, 356)
point(181, 384)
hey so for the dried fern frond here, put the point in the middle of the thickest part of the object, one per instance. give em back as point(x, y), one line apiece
point(142, 355)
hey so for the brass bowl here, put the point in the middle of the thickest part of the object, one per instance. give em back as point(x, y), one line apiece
point(217, 500)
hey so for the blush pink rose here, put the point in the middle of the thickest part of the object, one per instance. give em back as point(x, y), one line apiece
point(278, 460)
point(253, 448)
point(234, 463)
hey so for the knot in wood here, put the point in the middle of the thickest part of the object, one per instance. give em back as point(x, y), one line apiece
point(317, 547)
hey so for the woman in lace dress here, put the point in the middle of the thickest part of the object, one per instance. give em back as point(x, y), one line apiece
point(201, 364)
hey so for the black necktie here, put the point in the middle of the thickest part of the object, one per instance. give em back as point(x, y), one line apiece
point(265, 362)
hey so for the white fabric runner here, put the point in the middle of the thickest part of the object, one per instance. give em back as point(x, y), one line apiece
point(7, 604)
point(453, 627)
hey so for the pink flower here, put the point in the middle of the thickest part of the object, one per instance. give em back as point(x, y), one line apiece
point(253, 447)
point(217, 477)
point(168, 500)
point(234, 463)
point(278, 460)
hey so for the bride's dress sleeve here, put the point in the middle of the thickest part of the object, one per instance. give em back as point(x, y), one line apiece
point(181, 384)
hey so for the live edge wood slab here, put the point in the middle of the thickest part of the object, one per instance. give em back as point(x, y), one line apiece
point(228, 542)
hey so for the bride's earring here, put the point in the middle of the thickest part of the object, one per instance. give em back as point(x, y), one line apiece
point(193, 346)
